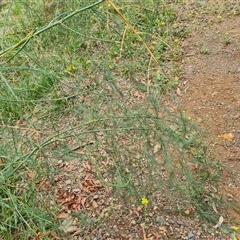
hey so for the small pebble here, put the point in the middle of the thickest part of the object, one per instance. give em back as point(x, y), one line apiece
point(68, 182)
point(159, 219)
point(171, 222)
point(138, 220)
point(180, 222)
point(191, 236)
point(133, 222)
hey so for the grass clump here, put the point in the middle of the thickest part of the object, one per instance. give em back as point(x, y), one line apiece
point(91, 75)
point(21, 213)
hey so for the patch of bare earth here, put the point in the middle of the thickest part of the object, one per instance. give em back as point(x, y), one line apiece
point(210, 94)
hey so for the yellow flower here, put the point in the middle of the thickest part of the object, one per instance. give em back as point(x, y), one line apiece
point(144, 202)
point(219, 17)
point(71, 68)
point(235, 228)
point(175, 25)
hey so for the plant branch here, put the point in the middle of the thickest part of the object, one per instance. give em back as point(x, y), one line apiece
point(35, 33)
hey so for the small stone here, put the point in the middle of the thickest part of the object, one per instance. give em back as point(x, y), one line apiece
point(198, 233)
point(138, 219)
point(76, 190)
point(133, 222)
point(162, 229)
point(95, 197)
point(191, 236)
point(159, 219)
point(68, 182)
point(94, 204)
point(187, 212)
point(171, 221)
point(94, 220)
point(180, 222)
point(107, 234)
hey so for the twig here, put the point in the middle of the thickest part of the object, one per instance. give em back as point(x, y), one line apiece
point(16, 127)
point(234, 159)
point(144, 233)
point(133, 29)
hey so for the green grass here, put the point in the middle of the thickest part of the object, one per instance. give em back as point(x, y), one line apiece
point(89, 78)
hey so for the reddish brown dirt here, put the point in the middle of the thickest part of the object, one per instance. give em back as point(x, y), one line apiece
point(210, 94)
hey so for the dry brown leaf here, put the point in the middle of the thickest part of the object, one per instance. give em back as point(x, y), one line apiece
point(72, 229)
point(214, 93)
point(137, 210)
point(187, 212)
point(220, 221)
point(156, 148)
point(54, 236)
point(31, 175)
point(45, 186)
point(227, 137)
point(157, 235)
point(94, 204)
point(83, 201)
point(150, 237)
point(162, 229)
point(185, 82)
point(87, 166)
point(62, 215)
point(178, 91)
point(214, 208)
point(78, 203)
point(37, 236)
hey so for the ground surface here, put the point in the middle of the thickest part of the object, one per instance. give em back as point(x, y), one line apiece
point(209, 91)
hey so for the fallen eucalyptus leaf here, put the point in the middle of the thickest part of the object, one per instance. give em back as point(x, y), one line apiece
point(220, 221)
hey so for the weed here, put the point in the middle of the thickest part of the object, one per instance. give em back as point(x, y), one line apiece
point(204, 50)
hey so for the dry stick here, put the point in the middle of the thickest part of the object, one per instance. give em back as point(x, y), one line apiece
point(123, 37)
point(22, 41)
point(234, 158)
point(148, 76)
point(133, 29)
point(144, 233)
point(17, 127)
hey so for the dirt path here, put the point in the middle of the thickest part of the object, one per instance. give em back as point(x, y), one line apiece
point(210, 93)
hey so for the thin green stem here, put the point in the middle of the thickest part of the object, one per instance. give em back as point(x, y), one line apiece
point(32, 34)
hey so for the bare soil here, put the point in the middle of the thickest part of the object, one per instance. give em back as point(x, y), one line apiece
point(210, 94)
